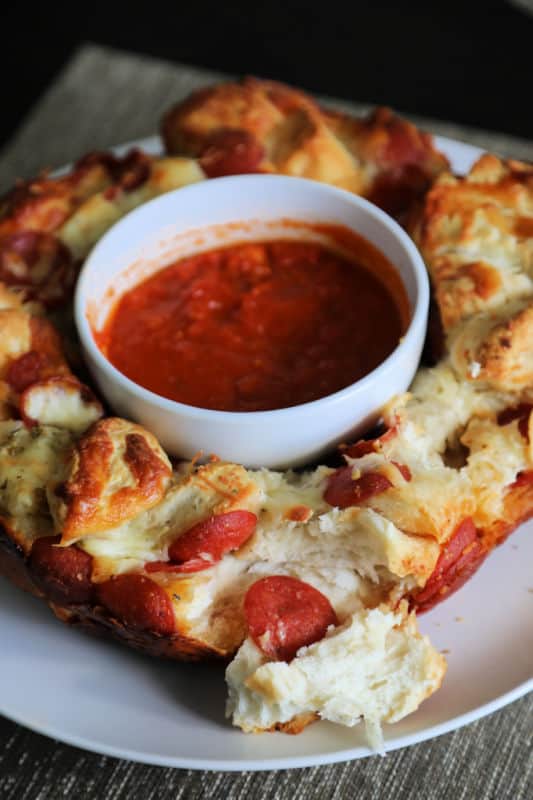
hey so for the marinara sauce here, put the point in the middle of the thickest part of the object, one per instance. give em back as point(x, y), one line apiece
point(254, 326)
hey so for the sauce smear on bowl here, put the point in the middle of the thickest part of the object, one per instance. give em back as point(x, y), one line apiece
point(254, 326)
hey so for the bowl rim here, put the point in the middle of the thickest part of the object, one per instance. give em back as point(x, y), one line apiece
point(415, 328)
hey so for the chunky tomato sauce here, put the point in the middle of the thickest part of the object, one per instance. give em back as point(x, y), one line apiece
point(254, 326)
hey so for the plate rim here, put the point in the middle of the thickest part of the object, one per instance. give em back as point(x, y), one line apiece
point(289, 762)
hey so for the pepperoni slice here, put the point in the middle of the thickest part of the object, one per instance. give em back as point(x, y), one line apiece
point(161, 566)
point(521, 413)
point(524, 478)
point(360, 449)
point(25, 370)
point(194, 565)
point(464, 535)
point(34, 367)
point(128, 172)
point(139, 602)
point(206, 542)
point(63, 572)
point(134, 170)
point(231, 152)
point(404, 470)
point(284, 614)
point(365, 446)
point(461, 557)
point(343, 491)
point(39, 263)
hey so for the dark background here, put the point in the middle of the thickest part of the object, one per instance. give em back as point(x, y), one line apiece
point(467, 61)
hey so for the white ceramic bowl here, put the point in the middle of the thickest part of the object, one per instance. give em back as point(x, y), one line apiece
point(196, 218)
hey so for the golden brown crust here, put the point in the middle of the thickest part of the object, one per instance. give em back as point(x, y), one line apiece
point(13, 565)
point(474, 234)
point(186, 126)
point(295, 725)
point(402, 161)
point(182, 645)
point(44, 203)
point(95, 619)
point(517, 508)
point(383, 157)
point(117, 470)
point(34, 372)
point(505, 355)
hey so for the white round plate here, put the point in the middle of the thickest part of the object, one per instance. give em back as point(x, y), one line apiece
point(103, 697)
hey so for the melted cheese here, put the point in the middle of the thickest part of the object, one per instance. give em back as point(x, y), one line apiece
point(430, 422)
point(283, 491)
point(414, 508)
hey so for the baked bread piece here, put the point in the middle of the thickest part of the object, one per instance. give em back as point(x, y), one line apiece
point(476, 236)
point(263, 126)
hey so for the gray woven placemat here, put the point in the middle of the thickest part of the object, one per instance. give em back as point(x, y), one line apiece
point(104, 97)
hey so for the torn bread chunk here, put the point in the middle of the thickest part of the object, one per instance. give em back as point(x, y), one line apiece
point(475, 235)
point(263, 126)
point(375, 667)
point(43, 203)
point(497, 454)
point(471, 446)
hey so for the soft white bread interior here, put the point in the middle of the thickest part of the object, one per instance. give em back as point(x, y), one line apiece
point(376, 667)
